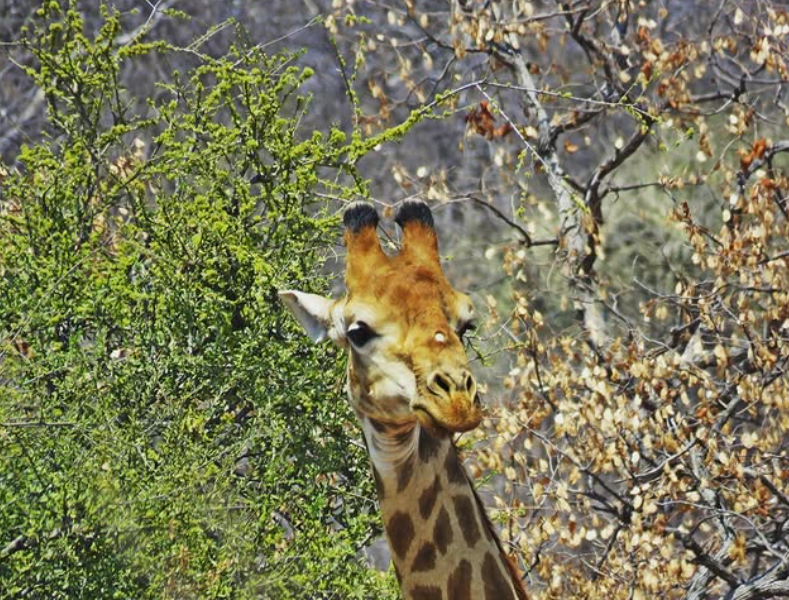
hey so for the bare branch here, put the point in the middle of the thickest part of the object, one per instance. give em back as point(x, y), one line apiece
point(712, 563)
point(772, 584)
point(526, 238)
point(572, 229)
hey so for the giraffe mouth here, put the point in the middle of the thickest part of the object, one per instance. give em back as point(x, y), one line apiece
point(460, 416)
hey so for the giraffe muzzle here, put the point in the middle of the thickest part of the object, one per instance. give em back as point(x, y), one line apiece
point(450, 402)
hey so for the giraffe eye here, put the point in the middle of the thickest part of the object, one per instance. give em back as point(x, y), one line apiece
point(360, 333)
point(465, 328)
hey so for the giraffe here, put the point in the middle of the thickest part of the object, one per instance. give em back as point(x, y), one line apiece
point(411, 389)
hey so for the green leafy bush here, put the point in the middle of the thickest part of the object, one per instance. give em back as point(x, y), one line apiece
point(163, 430)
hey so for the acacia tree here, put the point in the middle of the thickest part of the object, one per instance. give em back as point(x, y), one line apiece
point(632, 156)
point(160, 434)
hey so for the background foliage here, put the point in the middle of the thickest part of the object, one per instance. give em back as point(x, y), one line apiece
point(609, 179)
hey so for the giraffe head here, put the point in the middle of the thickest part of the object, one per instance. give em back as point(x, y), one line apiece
point(402, 323)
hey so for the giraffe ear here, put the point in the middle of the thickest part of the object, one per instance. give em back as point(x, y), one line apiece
point(313, 312)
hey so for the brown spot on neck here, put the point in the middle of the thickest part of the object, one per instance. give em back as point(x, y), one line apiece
point(467, 519)
point(442, 531)
point(492, 536)
point(428, 445)
point(459, 583)
point(497, 586)
point(404, 473)
point(427, 499)
point(425, 559)
point(426, 592)
point(400, 531)
point(455, 472)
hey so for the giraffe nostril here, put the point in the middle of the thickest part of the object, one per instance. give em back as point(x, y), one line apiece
point(477, 400)
point(442, 383)
point(469, 383)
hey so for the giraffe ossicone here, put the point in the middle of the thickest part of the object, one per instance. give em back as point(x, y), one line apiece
point(411, 388)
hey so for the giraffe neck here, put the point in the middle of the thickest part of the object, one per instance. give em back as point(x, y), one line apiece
point(443, 545)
